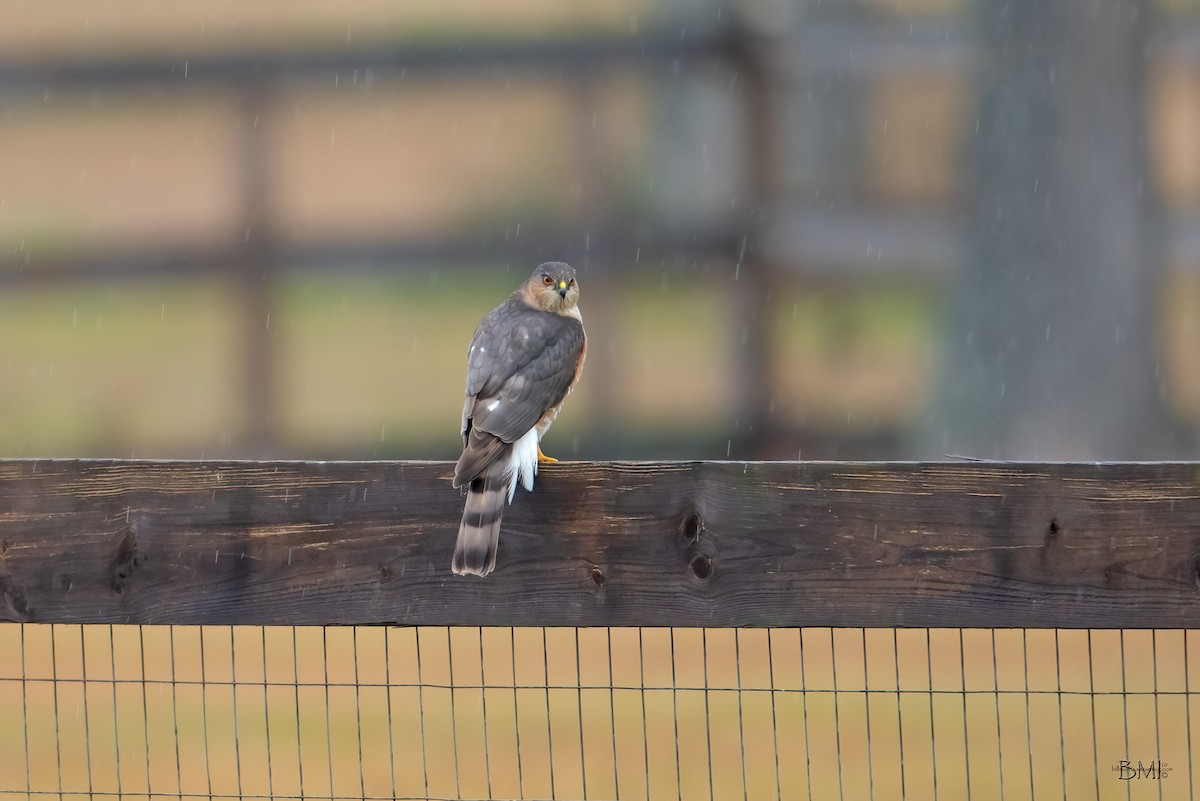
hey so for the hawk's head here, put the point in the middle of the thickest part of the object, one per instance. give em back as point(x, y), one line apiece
point(553, 288)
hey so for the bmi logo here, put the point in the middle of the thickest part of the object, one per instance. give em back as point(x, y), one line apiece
point(1128, 770)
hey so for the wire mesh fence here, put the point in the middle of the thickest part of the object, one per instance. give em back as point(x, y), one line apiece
point(594, 713)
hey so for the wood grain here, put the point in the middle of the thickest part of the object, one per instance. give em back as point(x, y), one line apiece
point(605, 544)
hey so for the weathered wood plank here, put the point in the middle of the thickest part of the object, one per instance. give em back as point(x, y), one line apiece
point(683, 544)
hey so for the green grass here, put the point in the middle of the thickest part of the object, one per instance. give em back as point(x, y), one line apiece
point(146, 368)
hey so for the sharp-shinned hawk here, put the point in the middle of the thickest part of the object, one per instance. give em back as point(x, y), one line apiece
point(525, 357)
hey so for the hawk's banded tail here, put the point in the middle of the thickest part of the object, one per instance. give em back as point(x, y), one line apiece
point(497, 466)
point(479, 532)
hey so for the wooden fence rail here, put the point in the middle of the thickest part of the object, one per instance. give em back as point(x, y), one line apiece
point(605, 544)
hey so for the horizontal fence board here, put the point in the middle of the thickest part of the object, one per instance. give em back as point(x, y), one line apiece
point(605, 544)
point(622, 247)
point(362, 65)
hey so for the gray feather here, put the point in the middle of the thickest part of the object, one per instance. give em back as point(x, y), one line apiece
point(521, 363)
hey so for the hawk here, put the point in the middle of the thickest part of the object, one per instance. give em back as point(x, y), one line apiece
point(524, 358)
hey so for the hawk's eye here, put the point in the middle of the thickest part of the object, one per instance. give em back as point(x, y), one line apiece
point(547, 280)
point(571, 282)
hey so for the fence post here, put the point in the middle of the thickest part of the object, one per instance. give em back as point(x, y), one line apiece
point(256, 266)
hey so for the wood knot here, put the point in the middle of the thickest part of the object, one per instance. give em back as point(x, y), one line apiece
point(701, 567)
point(124, 563)
point(1053, 529)
point(598, 576)
point(691, 527)
point(14, 608)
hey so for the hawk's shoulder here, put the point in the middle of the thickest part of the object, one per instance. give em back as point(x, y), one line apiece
point(513, 335)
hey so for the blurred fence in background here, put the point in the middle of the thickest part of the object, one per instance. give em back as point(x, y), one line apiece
point(271, 231)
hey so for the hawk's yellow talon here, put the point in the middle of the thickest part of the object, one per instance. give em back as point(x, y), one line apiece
point(543, 458)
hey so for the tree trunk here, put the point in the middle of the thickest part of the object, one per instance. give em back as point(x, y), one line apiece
point(1051, 336)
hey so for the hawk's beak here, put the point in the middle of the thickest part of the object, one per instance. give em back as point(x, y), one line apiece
point(562, 289)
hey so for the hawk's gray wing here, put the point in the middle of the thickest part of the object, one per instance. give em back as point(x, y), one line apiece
point(520, 365)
